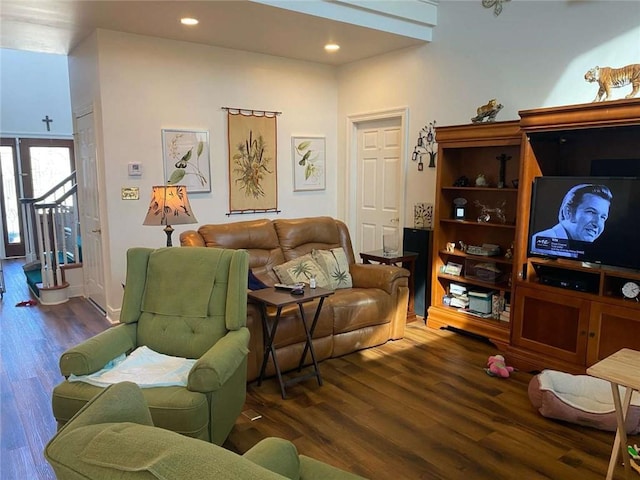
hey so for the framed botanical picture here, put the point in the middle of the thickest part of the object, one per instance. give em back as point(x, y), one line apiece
point(308, 154)
point(186, 159)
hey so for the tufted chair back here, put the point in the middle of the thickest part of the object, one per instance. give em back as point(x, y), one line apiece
point(180, 298)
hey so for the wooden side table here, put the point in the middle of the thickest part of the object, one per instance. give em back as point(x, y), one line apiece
point(279, 299)
point(405, 260)
point(621, 369)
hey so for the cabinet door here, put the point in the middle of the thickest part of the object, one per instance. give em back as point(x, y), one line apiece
point(550, 323)
point(612, 327)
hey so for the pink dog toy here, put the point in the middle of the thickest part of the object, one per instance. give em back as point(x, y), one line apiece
point(497, 367)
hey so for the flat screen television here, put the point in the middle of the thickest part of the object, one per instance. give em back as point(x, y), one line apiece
point(589, 219)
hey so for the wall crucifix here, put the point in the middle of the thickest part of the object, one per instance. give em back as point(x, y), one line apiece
point(48, 121)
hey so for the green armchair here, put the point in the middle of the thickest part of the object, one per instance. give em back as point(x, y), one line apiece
point(113, 437)
point(183, 302)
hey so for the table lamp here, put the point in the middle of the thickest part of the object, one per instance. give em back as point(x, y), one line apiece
point(169, 205)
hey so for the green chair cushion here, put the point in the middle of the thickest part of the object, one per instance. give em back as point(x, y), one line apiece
point(173, 408)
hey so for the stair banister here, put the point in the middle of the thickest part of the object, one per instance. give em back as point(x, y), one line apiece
point(54, 221)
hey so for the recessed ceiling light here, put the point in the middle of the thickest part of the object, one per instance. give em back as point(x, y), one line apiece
point(189, 21)
point(332, 47)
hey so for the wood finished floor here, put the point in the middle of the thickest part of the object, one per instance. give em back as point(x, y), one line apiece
point(417, 408)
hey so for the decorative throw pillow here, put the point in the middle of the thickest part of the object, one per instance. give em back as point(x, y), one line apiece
point(301, 270)
point(336, 266)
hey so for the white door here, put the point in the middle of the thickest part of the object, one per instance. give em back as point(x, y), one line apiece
point(379, 179)
point(87, 165)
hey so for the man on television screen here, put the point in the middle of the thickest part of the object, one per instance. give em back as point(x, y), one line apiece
point(582, 216)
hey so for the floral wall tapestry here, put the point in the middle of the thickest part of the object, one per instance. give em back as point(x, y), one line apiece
point(253, 179)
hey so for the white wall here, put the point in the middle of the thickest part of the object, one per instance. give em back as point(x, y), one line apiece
point(33, 85)
point(147, 84)
point(535, 54)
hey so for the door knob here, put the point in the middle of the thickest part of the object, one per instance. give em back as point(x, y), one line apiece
point(97, 230)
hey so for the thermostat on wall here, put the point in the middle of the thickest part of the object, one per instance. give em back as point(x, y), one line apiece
point(135, 169)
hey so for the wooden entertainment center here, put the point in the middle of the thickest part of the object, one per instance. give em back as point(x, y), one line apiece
point(549, 326)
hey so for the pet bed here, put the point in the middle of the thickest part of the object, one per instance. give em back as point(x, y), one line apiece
point(581, 399)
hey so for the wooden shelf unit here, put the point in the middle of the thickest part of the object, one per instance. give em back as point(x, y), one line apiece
point(553, 327)
point(550, 327)
point(469, 150)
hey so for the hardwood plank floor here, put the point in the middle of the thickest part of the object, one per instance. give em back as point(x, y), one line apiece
point(417, 408)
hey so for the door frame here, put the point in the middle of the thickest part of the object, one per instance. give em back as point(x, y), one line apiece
point(354, 122)
point(20, 250)
point(24, 185)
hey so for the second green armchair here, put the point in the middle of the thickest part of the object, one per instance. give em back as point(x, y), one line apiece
point(183, 302)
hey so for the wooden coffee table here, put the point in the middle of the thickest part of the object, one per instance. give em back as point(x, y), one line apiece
point(279, 299)
point(621, 369)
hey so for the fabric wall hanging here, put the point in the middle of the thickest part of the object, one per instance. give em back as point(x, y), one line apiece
point(253, 178)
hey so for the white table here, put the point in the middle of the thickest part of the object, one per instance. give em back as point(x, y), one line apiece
point(621, 369)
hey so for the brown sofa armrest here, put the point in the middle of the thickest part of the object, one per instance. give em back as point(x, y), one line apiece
point(385, 277)
point(191, 238)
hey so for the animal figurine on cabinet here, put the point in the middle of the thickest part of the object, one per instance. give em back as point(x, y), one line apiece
point(609, 78)
point(488, 214)
point(488, 111)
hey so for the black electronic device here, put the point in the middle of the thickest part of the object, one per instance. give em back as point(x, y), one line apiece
point(420, 240)
point(297, 291)
point(459, 208)
point(604, 231)
point(577, 280)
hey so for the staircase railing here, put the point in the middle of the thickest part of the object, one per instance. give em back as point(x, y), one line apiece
point(55, 218)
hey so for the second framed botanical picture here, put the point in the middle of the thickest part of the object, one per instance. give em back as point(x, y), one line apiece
point(186, 159)
point(308, 155)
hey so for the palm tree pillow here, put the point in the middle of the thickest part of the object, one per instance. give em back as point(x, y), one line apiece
point(330, 268)
point(336, 266)
point(302, 269)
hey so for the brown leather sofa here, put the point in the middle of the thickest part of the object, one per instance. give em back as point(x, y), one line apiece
point(370, 313)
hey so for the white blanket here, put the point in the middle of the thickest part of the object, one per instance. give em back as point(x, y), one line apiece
point(143, 367)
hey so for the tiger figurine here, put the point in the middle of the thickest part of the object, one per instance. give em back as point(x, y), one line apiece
point(608, 78)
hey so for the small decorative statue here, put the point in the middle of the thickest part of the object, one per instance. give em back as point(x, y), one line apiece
point(488, 111)
point(486, 213)
point(462, 181)
point(503, 159)
point(609, 78)
point(481, 180)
